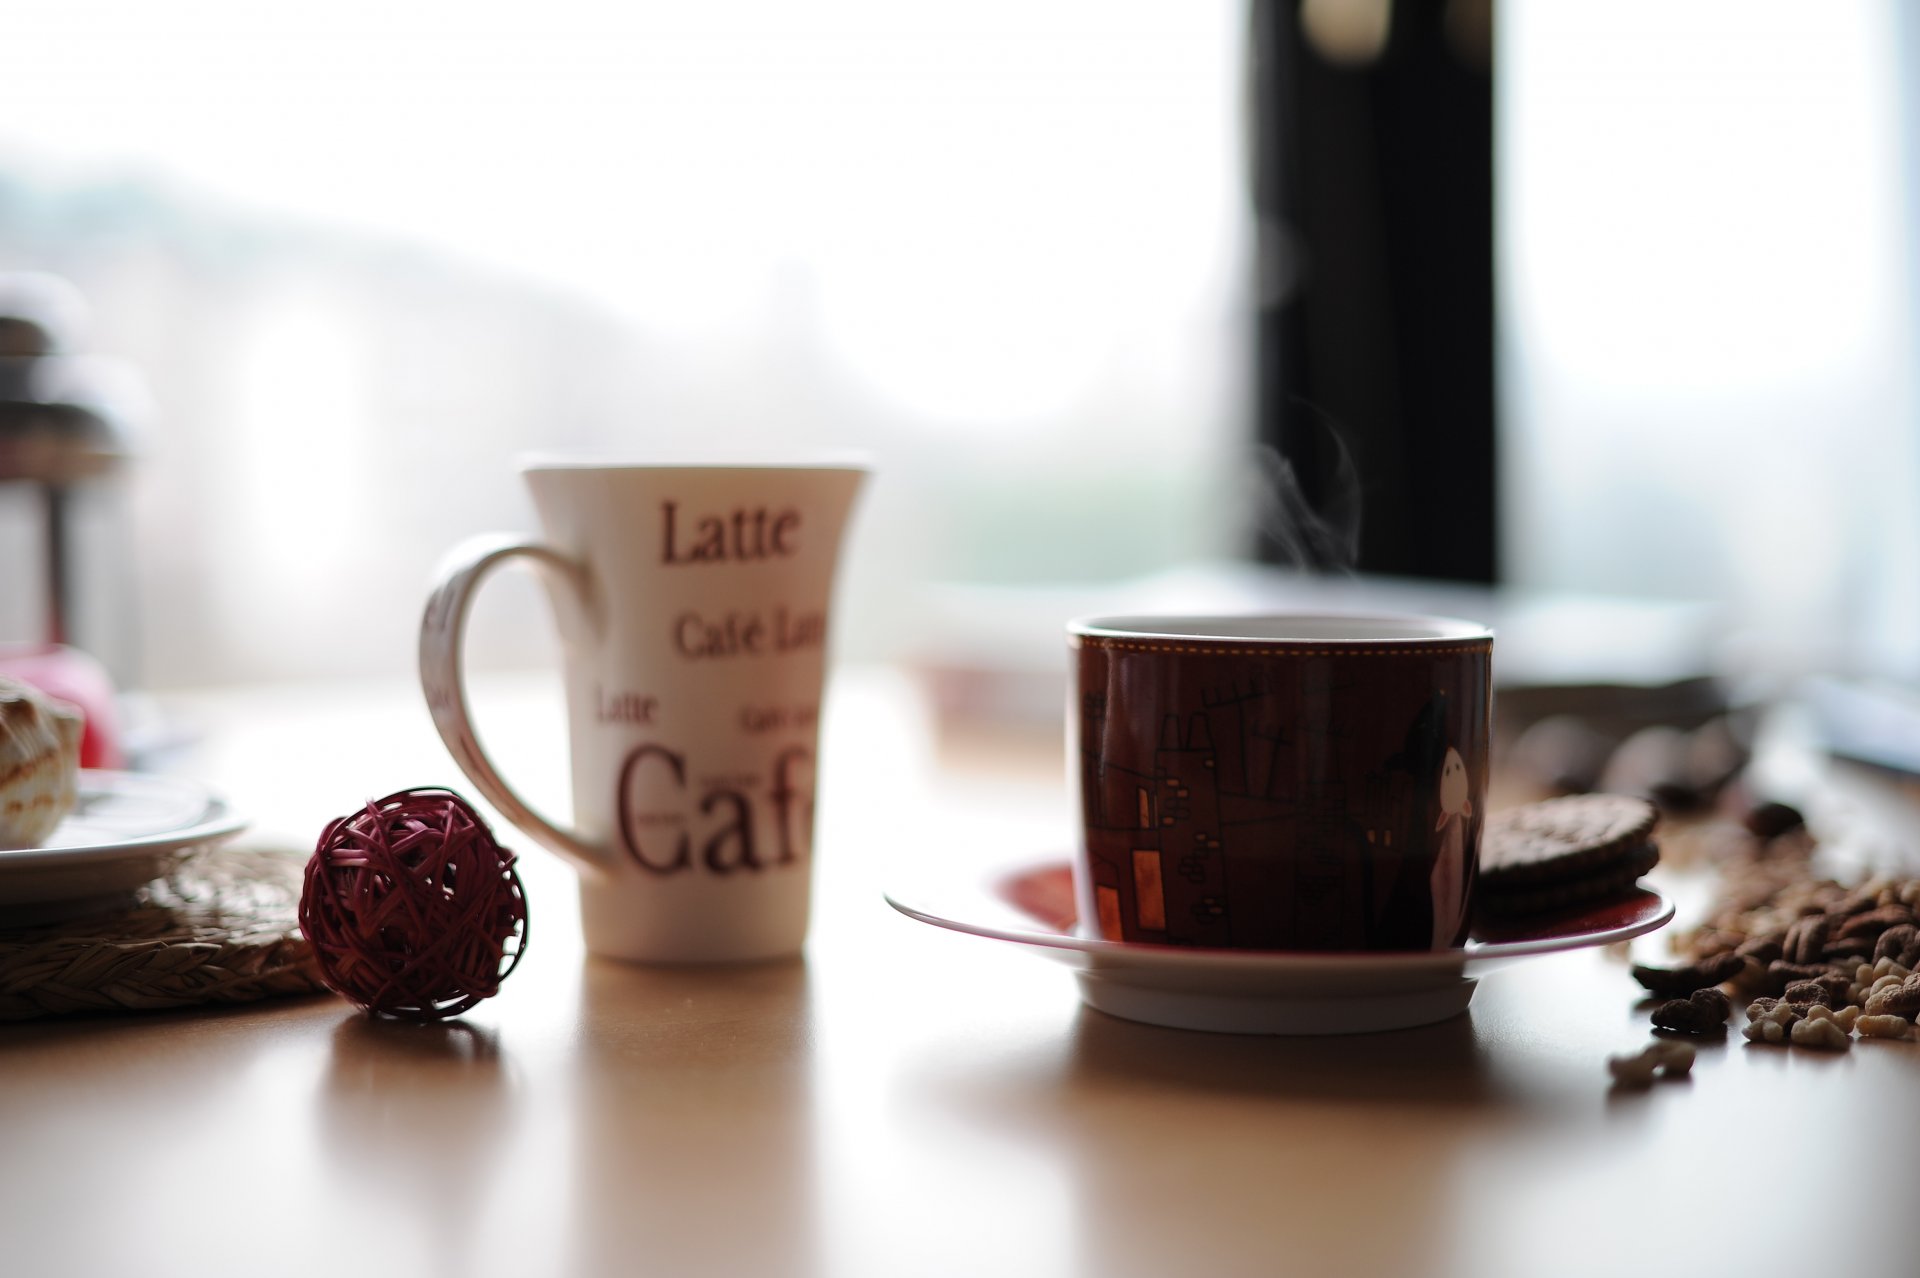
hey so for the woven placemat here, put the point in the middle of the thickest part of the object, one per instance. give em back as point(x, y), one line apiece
point(222, 928)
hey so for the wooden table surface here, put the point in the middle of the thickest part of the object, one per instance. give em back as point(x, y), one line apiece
point(905, 1100)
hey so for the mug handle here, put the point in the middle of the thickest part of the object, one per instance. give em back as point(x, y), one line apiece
point(443, 630)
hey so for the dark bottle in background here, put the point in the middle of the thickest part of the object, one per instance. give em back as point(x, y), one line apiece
point(1372, 153)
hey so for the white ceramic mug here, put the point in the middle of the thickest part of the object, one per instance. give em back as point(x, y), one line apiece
point(692, 605)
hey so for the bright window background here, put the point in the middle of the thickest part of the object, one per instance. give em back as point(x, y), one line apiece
point(366, 253)
point(1707, 306)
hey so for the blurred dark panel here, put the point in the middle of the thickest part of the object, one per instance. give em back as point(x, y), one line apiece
point(1373, 175)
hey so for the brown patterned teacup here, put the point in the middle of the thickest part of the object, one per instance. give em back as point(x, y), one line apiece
point(1300, 783)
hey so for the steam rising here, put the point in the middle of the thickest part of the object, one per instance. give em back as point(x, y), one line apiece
point(1324, 540)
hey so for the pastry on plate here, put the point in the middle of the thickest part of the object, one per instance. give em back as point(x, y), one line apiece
point(39, 763)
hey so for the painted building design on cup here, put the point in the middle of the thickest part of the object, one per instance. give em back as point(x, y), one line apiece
point(1314, 812)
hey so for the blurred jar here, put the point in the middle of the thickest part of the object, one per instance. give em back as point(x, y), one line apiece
point(62, 444)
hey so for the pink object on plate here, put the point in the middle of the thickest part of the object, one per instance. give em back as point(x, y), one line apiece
point(73, 676)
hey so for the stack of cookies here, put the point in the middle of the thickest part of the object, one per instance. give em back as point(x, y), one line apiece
point(1564, 854)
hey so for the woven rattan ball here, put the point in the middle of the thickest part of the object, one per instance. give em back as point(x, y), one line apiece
point(413, 909)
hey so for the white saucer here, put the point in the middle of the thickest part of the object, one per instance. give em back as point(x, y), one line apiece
point(1249, 992)
point(126, 830)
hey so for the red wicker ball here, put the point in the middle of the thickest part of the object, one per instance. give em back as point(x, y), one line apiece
point(412, 908)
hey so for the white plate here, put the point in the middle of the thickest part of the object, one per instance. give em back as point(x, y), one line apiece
point(126, 830)
point(1254, 992)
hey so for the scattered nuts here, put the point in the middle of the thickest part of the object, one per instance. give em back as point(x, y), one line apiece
point(1713, 941)
point(1804, 992)
point(1830, 988)
point(1883, 1026)
point(1877, 922)
point(1634, 1071)
point(1899, 942)
point(1844, 1018)
point(1781, 973)
point(1678, 982)
point(1807, 939)
point(1824, 1034)
point(1764, 948)
point(1900, 1000)
point(1675, 1060)
point(1704, 1012)
point(1820, 960)
point(1784, 1015)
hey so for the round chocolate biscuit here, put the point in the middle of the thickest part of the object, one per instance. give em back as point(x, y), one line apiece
point(1604, 883)
point(1557, 840)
